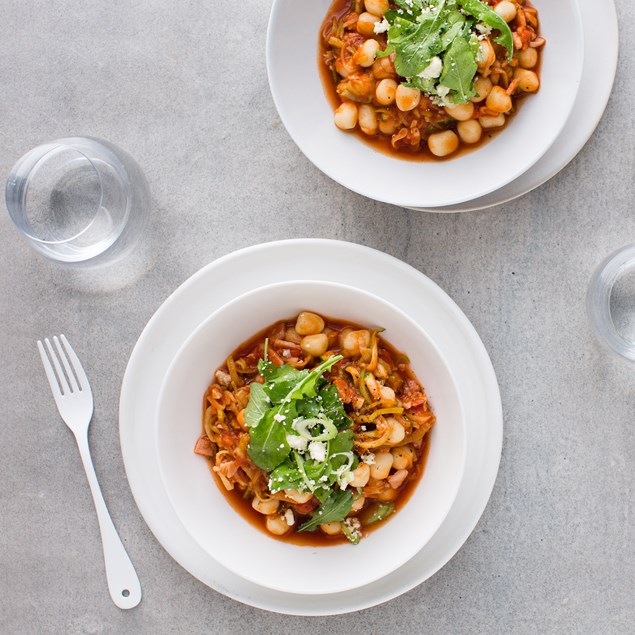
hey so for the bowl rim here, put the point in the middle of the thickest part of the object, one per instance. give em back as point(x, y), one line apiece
point(457, 475)
point(394, 196)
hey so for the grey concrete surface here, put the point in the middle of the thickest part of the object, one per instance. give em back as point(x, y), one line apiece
point(183, 87)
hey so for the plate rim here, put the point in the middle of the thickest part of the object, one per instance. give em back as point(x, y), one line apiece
point(364, 597)
point(164, 448)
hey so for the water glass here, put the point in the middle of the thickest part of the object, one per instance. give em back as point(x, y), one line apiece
point(78, 199)
point(611, 302)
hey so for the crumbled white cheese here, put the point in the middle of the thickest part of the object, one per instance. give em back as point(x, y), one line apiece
point(286, 352)
point(289, 517)
point(483, 29)
point(278, 417)
point(433, 70)
point(381, 27)
point(368, 458)
point(442, 91)
point(353, 527)
point(317, 450)
point(297, 442)
point(353, 524)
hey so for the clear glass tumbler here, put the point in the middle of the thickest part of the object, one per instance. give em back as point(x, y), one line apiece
point(77, 198)
point(611, 302)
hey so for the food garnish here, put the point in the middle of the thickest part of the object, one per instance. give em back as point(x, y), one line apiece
point(299, 433)
point(428, 77)
point(436, 44)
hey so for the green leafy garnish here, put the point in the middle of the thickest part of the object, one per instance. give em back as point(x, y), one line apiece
point(459, 68)
point(300, 434)
point(488, 16)
point(268, 446)
point(436, 44)
point(335, 508)
point(417, 42)
point(376, 513)
point(257, 406)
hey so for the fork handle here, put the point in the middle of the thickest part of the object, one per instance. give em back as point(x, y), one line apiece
point(123, 583)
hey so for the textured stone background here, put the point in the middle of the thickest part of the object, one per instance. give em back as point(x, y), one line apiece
point(189, 99)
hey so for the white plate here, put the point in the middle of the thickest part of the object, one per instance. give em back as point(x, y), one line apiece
point(202, 507)
point(347, 263)
point(601, 33)
point(292, 57)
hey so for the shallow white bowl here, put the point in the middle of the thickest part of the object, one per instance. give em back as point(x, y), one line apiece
point(203, 509)
point(292, 65)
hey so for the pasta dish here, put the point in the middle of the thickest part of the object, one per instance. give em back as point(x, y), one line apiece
point(425, 78)
point(317, 429)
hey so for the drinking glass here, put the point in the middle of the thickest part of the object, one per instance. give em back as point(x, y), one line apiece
point(611, 302)
point(77, 199)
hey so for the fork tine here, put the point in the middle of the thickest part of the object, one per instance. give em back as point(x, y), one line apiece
point(58, 369)
point(50, 373)
point(67, 366)
point(77, 366)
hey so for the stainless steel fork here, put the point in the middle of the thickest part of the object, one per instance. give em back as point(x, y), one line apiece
point(74, 400)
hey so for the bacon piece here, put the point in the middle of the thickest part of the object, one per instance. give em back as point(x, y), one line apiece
point(396, 480)
point(205, 447)
point(305, 509)
point(412, 395)
point(346, 391)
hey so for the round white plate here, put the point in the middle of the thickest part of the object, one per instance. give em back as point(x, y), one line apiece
point(292, 59)
point(202, 507)
point(601, 34)
point(310, 259)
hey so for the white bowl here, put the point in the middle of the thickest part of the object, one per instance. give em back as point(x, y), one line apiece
point(203, 509)
point(292, 65)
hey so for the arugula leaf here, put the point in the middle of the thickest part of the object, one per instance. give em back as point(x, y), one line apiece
point(335, 508)
point(488, 16)
point(307, 386)
point(459, 68)
point(424, 85)
point(315, 471)
point(282, 380)
point(456, 25)
point(286, 476)
point(423, 29)
point(417, 43)
point(343, 442)
point(333, 407)
point(268, 445)
point(411, 5)
point(308, 408)
point(257, 406)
